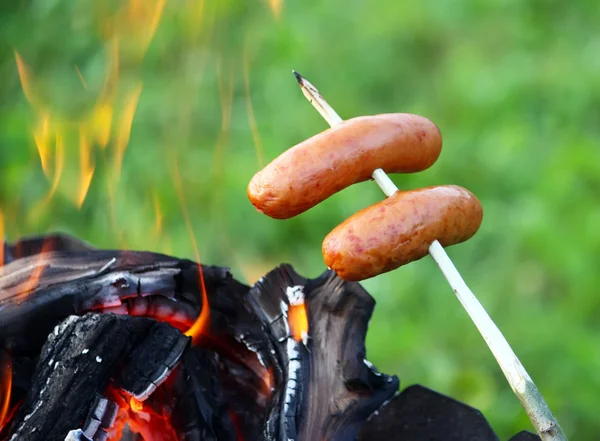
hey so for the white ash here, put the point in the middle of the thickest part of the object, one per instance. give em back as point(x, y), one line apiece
point(295, 294)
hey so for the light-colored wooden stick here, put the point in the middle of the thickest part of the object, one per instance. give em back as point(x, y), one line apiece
point(526, 391)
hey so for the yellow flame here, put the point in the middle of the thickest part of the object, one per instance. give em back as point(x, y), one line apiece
point(136, 405)
point(276, 6)
point(25, 78)
point(58, 164)
point(128, 32)
point(158, 216)
point(101, 124)
point(86, 167)
point(124, 130)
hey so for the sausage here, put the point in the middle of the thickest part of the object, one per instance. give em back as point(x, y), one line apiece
point(346, 154)
point(400, 229)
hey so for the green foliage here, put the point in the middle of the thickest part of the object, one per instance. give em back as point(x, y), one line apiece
point(513, 86)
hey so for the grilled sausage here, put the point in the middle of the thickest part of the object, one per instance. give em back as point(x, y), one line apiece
point(321, 166)
point(400, 230)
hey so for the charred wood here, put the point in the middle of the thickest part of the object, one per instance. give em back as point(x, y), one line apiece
point(76, 364)
point(328, 387)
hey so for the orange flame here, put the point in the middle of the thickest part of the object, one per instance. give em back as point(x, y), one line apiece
point(158, 216)
point(136, 405)
point(86, 167)
point(5, 390)
point(202, 322)
point(269, 380)
point(125, 126)
point(298, 320)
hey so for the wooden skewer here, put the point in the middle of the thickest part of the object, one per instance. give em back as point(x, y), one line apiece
point(521, 383)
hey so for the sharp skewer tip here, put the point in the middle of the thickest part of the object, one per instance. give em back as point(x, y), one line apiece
point(299, 77)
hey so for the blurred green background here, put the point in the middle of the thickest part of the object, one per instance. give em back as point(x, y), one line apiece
point(514, 87)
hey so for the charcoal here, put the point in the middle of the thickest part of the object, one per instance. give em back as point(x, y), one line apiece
point(151, 362)
point(39, 291)
point(247, 376)
point(525, 436)
point(199, 406)
point(76, 364)
point(420, 414)
point(328, 388)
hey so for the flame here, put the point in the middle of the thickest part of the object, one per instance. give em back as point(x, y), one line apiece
point(158, 216)
point(202, 322)
point(128, 32)
point(124, 131)
point(141, 419)
point(298, 320)
point(5, 390)
point(276, 6)
point(33, 280)
point(86, 167)
point(40, 136)
point(268, 381)
point(136, 405)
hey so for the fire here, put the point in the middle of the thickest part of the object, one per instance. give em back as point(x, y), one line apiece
point(5, 390)
point(276, 6)
point(141, 419)
point(136, 405)
point(298, 321)
point(201, 324)
point(128, 31)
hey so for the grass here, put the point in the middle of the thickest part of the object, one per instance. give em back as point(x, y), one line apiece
point(513, 86)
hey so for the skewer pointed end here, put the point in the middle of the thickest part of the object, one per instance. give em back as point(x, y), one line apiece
point(299, 77)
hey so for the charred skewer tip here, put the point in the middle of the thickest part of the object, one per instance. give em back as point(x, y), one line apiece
point(521, 383)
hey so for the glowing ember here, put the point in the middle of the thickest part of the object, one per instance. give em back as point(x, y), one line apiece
point(136, 405)
point(298, 321)
point(5, 389)
point(132, 413)
point(297, 317)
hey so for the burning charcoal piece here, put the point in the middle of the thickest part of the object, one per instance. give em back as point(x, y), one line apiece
point(39, 291)
point(318, 328)
point(80, 357)
point(152, 361)
point(420, 414)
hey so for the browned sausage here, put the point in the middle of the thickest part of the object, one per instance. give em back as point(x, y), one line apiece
point(319, 167)
point(400, 230)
